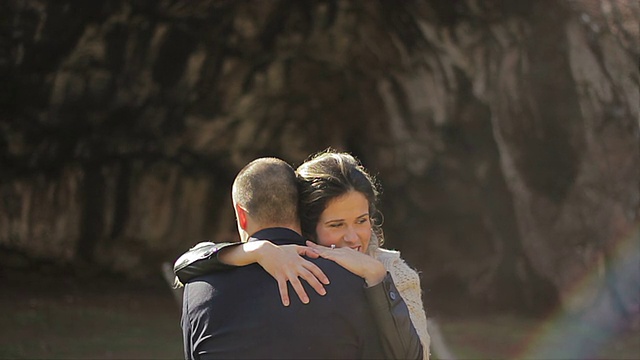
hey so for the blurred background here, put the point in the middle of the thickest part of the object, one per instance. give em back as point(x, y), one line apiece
point(505, 135)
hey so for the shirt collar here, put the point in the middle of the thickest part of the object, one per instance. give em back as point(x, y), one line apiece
point(278, 236)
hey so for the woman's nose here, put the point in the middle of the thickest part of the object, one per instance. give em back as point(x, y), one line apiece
point(350, 236)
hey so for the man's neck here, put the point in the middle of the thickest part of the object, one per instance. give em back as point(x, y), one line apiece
point(257, 227)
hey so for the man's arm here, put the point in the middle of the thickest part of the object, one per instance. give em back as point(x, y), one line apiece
point(185, 323)
point(200, 260)
point(398, 336)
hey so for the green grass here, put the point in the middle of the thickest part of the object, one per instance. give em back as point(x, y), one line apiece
point(64, 331)
point(484, 337)
point(105, 322)
point(505, 336)
point(60, 318)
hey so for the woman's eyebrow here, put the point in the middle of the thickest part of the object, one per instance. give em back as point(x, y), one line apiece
point(333, 220)
point(339, 220)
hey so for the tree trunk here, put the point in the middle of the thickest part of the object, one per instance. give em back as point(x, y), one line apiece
point(505, 134)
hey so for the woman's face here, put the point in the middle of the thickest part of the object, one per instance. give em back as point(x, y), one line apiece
point(345, 222)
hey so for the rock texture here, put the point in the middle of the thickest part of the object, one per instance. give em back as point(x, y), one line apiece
point(505, 134)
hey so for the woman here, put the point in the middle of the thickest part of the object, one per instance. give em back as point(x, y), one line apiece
point(337, 199)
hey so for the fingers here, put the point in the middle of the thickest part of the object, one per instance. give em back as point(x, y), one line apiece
point(292, 268)
point(311, 274)
point(315, 284)
point(284, 292)
point(297, 286)
point(308, 252)
point(313, 245)
point(326, 252)
point(317, 273)
point(318, 249)
point(314, 279)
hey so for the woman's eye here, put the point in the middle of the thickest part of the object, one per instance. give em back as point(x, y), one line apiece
point(335, 225)
point(362, 221)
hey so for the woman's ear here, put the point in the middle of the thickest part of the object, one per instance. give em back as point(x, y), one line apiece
point(242, 216)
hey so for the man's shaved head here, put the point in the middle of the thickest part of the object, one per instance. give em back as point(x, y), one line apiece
point(267, 189)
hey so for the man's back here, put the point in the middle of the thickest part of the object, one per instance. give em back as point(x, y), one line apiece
point(238, 314)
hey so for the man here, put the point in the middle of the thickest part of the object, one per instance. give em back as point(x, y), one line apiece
point(238, 313)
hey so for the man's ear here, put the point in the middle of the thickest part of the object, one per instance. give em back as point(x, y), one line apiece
point(242, 216)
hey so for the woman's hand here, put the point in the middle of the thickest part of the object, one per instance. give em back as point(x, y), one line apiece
point(358, 263)
point(286, 264)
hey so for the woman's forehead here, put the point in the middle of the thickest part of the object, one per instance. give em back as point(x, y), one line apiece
point(351, 204)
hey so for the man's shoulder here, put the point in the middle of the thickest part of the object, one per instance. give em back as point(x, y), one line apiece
point(224, 284)
point(235, 275)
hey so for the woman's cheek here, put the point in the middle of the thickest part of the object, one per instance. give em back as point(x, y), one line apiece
point(325, 238)
point(366, 238)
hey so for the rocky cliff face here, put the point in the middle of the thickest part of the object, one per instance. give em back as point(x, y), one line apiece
point(505, 136)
